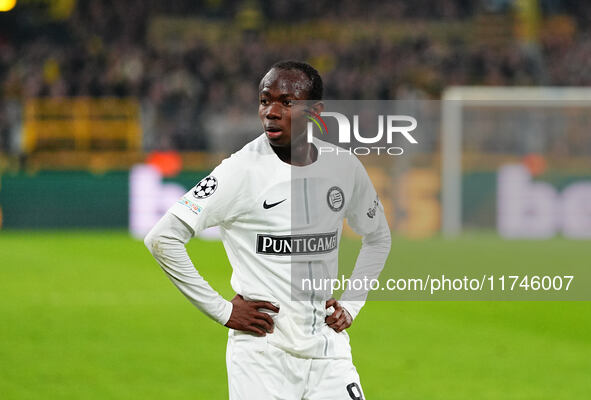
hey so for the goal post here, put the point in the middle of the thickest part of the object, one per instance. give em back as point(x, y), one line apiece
point(455, 103)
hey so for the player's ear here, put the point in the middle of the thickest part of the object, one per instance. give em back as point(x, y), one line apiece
point(317, 107)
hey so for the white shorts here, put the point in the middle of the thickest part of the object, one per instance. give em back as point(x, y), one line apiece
point(260, 371)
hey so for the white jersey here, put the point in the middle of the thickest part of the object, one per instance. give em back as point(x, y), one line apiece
point(281, 224)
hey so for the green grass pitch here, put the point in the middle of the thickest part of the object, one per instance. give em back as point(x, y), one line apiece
point(91, 316)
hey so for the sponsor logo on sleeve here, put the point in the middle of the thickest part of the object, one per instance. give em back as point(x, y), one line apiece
point(371, 211)
point(195, 208)
point(205, 187)
point(335, 198)
point(315, 243)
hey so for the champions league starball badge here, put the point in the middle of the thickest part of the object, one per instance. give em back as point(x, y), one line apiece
point(205, 187)
point(335, 198)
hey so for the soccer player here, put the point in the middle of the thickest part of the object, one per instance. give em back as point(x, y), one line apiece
point(280, 206)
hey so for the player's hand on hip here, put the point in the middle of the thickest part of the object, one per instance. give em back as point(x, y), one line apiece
point(247, 317)
point(340, 319)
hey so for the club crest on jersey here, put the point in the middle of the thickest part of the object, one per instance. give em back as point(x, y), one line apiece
point(335, 198)
point(205, 187)
point(314, 243)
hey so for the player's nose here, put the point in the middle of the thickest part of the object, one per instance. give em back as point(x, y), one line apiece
point(273, 111)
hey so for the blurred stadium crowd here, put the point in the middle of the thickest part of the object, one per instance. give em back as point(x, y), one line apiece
point(364, 49)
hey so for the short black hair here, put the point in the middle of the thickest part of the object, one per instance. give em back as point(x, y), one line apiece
point(316, 86)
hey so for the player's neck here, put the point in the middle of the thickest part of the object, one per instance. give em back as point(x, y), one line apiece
point(298, 155)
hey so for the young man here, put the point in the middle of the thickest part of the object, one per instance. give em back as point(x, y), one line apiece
point(280, 206)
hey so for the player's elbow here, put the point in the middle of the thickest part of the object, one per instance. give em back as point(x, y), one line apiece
point(384, 236)
point(381, 237)
point(151, 241)
point(384, 240)
point(148, 240)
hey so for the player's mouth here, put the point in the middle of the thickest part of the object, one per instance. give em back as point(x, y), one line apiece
point(273, 132)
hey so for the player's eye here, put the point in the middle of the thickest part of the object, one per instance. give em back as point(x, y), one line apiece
point(288, 103)
point(264, 102)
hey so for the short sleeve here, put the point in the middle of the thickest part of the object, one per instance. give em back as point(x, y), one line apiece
point(364, 207)
point(216, 199)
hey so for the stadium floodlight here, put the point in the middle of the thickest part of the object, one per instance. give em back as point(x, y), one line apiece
point(7, 5)
point(456, 129)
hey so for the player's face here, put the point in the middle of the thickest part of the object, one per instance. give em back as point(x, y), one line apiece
point(282, 108)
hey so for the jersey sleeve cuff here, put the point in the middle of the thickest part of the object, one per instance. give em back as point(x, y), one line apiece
point(352, 307)
point(226, 313)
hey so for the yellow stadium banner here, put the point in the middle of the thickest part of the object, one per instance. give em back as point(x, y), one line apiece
point(528, 19)
point(81, 124)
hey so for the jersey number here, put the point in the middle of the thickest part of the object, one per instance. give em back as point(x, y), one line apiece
point(354, 391)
